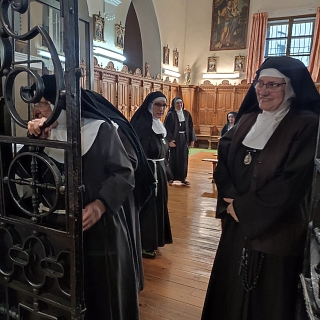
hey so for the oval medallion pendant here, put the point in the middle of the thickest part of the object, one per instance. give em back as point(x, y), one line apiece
point(247, 159)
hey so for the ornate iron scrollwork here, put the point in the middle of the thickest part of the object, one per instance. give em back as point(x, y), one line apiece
point(40, 248)
point(11, 74)
point(34, 182)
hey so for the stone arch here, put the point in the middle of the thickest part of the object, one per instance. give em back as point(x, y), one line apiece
point(150, 34)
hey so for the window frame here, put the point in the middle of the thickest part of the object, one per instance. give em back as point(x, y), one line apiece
point(290, 20)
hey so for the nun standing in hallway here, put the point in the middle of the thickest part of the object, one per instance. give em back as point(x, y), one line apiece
point(154, 216)
point(264, 177)
point(181, 135)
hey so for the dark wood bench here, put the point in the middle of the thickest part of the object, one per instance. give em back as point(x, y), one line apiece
point(209, 133)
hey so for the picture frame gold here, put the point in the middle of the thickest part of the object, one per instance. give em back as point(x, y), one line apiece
point(98, 30)
point(229, 27)
point(175, 58)
point(212, 64)
point(166, 54)
point(239, 63)
point(119, 36)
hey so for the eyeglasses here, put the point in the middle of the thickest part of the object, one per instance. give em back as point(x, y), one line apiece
point(160, 105)
point(271, 86)
point(41, 104)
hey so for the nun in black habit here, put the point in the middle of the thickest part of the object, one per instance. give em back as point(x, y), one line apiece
point(154, 216)
point(112, 251)
point(264, 176)
point(180, 134)
point(231, 118)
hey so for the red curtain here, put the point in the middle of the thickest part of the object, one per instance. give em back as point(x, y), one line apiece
point(256, 45)
point(314, 65)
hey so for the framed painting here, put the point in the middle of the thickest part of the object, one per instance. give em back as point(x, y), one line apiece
point(175, 58)
point(98, 30)
point(119, 36)
point(212, 64)
point(166, 53)
point(239, 63)
point(229, 24)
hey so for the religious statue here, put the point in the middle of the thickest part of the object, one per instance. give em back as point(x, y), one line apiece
point(146, 69)
point(187, 75)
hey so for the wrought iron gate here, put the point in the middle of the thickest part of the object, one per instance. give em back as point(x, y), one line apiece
point(310, 279)
point(41, 272)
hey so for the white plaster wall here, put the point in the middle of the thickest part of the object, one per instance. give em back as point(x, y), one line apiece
point(171, 15)
point(198, 32)
point(185, 25)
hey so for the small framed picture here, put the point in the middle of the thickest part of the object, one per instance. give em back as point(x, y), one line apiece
point(98, 30)
point(239, 63)
point(166, 53)
point(175, 58)
point(119, 36)
point(212, 64)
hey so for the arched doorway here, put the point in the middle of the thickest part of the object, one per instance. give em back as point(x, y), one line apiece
point(145, 17)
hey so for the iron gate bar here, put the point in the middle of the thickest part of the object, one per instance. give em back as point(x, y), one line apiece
point(74, 195)
point(68, 93)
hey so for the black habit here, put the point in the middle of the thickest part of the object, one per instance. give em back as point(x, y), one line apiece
point(183, 134)
point(154, 216)
point(109, 270)
point(258, 261)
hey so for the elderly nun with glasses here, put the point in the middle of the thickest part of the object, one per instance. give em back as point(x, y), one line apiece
point(154, 217)
point(117, 181)
point(264, 177)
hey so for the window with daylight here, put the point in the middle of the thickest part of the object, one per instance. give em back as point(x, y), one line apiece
point(290, 37)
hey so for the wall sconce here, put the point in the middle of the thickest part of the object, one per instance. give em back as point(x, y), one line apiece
point(107, 53)
point(47, 54)
point(171, 73)
point(220, 75)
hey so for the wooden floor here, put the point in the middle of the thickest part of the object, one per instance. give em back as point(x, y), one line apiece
point(176, 281)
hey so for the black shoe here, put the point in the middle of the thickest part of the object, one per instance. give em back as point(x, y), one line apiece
point(149, 254)
point(186, 182)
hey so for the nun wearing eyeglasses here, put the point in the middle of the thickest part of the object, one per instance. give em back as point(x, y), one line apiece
point(264, 176)
point(117, 182)
point(154, 217)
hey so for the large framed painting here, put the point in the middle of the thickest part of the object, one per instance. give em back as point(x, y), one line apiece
point(229, 24)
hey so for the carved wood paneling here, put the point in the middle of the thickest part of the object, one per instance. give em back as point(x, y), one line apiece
point(136, 97)
point(109, 87)
point(123, 96)
point(188, 95)
point(225, 104)
point(208, 104)
point(146, 88)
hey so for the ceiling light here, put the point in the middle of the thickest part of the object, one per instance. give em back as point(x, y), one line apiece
point(113, 2)
point(171, 73)
point(220, 75)
point(107, 53)
point(47, 54)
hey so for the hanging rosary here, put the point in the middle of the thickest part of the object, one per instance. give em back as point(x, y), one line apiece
point(243, 271)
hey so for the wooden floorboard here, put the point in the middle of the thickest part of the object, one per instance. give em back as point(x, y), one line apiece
point(176, 281)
